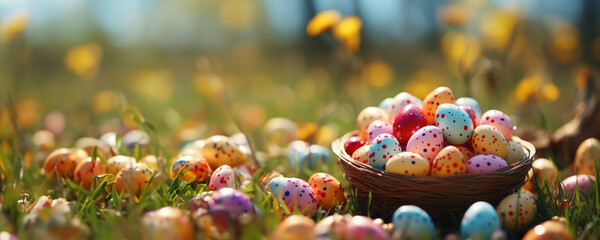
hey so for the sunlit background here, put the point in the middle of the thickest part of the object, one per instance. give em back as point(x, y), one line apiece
point(197, 68)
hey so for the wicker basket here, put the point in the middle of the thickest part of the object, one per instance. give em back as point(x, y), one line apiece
point(444, 198)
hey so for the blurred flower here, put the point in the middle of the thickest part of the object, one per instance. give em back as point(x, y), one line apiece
point(460, 49)
point(378, 74)
point(28, 112)
point(534, 87)
point(237, 14)
point(84, 60)
point(306, 130)
point(422, 82)
point(209, 84)
point(564, 47)
point(250, 116)
point(497, 28)
point(55, 122)
point(347, 32)
point(548, 93)
point(582, 76)
point(13, 26)
point(322, 22)
point(155, 84)
point(454, 15)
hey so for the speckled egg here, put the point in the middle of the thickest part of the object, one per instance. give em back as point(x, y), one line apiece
point(517, 211)
point(487, 140)
point(231, 201)
point(467, 154)
point(448, 162)
point(220, 150)
point(222, 177)
point(587, 152)
point(310, 156)
point(544, 172)
point(456, 125)
point(167, 223)
point(297, 194)
point(276, 185)
point(471, 114)
point(433, 100)
point(516, 153)
point(86, 171)
point(408, 163)
point(118, 162)
point(413, 223)
point(194, 169)
point(485, 163)
point(366, 117)
point(385, 104)
point(62, 162)
point(409, 120)
point(377, 128)
point(352, 144)
point(382, 149)
point(361, 227)
point(480, 221)
point(500, 121)
point(329, 191)
point(362, 154)
point(549, 230)
point(294, 227)
point(135, 178)
point(427, 142)
point(471, 103)
point(581, 182)
point(400, 101)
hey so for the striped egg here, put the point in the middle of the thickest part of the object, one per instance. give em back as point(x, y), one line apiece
point(400, 101)
point(220, 150)
point(382, 149)
point(456, 125)
point(362, 154)
point(500, 121)
point(222, 177)
point(485, 163)
point(448, 162)
point(329, 191)
point(366, 117)
point(408, 163)
point(377, 128)
point(433, 100)
point(427, 142)
point(487, 140)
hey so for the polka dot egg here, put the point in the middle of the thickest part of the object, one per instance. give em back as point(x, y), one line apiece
point(433, 100)
point(362, 154)
point(190, 168)
point(413, 223)
point(222, 177)
point(427, 142)
point(471, 114)
point(383, 148)
point(471, 103)
point(500, 121)
point(276, 185)
point(408, 163)
point(400, 101)
point(516, 152)
point(377, 128)
point(448, 162)
point(353, 143)
point(361, 227)
point(116, 163)
point(456, 125)
point(480, 221)
point(517, 211)
point(467, 154)
point(297, 194)
point(232, 202)
point(366, 117)
point(220, 150)
point(485, 163)
point(329, 191)
point(487, 139)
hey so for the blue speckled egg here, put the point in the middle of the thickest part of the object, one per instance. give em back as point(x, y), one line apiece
point(470, 102)
point(480, 221)
point(298, 195)
point(385, 104)
point(456, 125)
point(413, 223)
point(276, 185)
point(382, 149)
point(319, 153)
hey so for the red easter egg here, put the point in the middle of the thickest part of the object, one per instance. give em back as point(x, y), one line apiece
point(471, 113)
point(353, 143)
point(408, 121)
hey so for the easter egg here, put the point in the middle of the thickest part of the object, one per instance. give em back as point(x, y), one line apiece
point(190, 169)
point(383, 148)
point(327, 226)
point(231, 201)
point(297, 194)
point(280, 131)
point(456, 125)
point(366, 117)
point(61, 162)
point(135, 178)
point(413, 223)
point(167, 223)
point(471, 103)
point(433, 100)
point(409, 120)
point(88, 144)
point(471, 114)
point(118, 162)
point(408, 163)
point(516, 153)
point(86, 171)
point(361, 227)
point(448, 162)
point(309, 156)
point(485, 163)
point(549, 230)
point(517, 211)
point(44, 140)
point(329, 191)
point(151, 161)
point(297, 149)
point(276, 185)
point(480, 221)
point(385, 104)
point(362, 154)
point(487, 140)
point(400, 101)
point(220, 150)
point(544, 172)
point(587, 153)
point(294, 227)
point(8, 236)
point(376, 128)
point(467, 154)
point(352, 144)
point(581, 182)
point(427, 142)
point(500, 121)
point(222, 177)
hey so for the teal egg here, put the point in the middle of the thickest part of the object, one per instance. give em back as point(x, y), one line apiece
point(480, 221)
point(470, 102)
point(456, 125)
point(382, 149)
point(413, 223)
